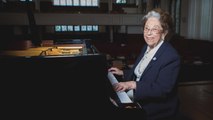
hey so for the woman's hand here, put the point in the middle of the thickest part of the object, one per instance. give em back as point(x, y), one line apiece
point(123, 86)
point(116, 71)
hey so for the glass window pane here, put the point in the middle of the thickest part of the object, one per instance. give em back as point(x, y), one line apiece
point(25, 0)
point(63, 2)
point(89, 2)
point(95, 28)
point(70, 28)
point(76, 2)
point(94, 2)
point(83, 28)
point(58, 28)
point(63, 28)
point(69, 3)
point(56, 2)
point(83, 2)
point(77, 28)
point(89, 28)
point(120, 1)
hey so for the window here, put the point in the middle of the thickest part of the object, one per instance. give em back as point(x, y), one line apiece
point(76, 3)
point(76, 28)
point(95, 28)
point(121, 1)
point(69, 28)
point(64, 28)
point(89, 28)
point(94, 2)
point(69, 2)
point(89, 3)
point(63, 2)
point(83, 28)
point(83, 3)
point(26, 0)
point(56, 2)
point(58, 28)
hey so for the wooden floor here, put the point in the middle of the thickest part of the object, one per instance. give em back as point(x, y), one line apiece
point(196, 99)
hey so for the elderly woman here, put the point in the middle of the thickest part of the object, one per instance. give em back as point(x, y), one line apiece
point(152, 81)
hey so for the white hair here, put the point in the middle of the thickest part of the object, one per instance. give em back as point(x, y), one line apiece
point(152, 14)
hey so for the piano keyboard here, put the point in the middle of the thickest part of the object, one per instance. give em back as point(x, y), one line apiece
point(124, 98)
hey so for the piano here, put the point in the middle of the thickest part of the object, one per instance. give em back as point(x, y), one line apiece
point(64, 77)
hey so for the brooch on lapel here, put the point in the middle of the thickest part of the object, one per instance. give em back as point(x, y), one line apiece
point(154, 58)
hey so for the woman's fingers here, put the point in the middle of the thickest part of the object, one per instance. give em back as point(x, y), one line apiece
point(119, 87)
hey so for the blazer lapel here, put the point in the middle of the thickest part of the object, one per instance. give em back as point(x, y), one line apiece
point(156, 56)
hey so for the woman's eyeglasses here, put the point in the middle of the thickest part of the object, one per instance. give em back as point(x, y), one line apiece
point(152, 30)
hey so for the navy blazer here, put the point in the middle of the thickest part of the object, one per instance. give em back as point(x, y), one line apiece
point(157, 89)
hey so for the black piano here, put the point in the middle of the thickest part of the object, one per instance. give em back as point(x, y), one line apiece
point(61, 78)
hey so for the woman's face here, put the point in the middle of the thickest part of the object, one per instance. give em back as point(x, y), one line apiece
point(153, 32)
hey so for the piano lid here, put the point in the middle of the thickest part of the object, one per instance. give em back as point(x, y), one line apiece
point(71, 48)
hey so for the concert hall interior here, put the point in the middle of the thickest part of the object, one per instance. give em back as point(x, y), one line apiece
point(60, 50)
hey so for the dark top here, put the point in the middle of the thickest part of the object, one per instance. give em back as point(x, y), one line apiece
point(157, 89)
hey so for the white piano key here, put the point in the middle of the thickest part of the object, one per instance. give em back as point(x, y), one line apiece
point(124, 98)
